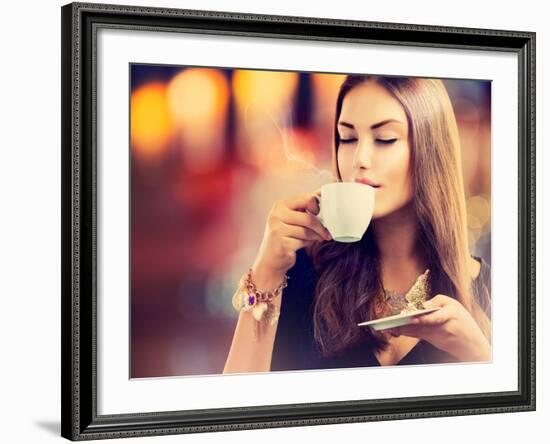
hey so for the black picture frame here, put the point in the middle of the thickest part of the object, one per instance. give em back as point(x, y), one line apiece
point(80, 420)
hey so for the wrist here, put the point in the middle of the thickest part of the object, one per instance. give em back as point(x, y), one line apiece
point(263, 303)
point(265, 278)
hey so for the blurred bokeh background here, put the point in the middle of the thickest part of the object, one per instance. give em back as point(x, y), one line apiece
point(211, 150)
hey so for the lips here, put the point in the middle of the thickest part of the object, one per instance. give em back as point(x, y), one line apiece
point(368, 182)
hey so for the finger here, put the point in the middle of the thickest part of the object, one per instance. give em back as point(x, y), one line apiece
point(302, 202)
point(295, 244)
point(301, 232)
point(413, 331)
point(298, 218)
point(439, 300)
point(434, 318)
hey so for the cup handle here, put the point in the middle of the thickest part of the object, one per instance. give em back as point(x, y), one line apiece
point(319, 216)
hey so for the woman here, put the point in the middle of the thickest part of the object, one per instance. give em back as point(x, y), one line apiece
point(400, 136)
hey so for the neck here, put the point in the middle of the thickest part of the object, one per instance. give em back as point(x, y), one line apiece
point(396, 236)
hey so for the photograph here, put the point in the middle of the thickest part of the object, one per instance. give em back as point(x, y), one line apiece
point(279, 221)
point(235, 268)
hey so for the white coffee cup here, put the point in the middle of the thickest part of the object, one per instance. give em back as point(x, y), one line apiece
point(346, 209)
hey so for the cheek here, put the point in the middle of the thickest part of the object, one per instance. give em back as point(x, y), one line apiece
point(399, 168)
point(403, 189)
point(398, 182)
point(345, 160)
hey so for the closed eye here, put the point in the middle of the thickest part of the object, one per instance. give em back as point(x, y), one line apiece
point(386, 141)
point(381, 141)
point(347, 140)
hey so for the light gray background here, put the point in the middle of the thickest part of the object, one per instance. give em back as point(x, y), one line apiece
point(30, 220)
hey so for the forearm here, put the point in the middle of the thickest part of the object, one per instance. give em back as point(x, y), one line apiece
point(481, 353)
point(248, 353)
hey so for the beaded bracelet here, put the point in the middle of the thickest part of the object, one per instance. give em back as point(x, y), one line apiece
point(249, 298)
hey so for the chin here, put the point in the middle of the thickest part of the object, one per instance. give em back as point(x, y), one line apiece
point(379, 213)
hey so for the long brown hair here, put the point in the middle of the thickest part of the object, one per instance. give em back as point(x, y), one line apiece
point(349, 273)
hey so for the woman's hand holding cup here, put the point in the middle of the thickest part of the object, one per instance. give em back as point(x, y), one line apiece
point(288, 228)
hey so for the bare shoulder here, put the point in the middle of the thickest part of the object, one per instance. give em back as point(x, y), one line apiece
point(474, 267)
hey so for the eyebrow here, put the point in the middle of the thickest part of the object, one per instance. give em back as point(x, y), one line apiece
point(376, 125)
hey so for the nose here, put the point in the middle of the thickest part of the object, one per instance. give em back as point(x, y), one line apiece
point(363, 155)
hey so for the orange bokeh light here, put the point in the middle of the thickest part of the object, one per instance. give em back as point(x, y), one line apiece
point(327, 85)
point(150, 125)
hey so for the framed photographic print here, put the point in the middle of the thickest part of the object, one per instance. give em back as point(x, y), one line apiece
point(276, 221)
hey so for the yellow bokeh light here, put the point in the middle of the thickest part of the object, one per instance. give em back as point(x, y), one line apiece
point(263, 101)
point(150, 123)
point(198, 99)
point(474, 222)
point(263, 91)
point(479, 207)
point(197, 95)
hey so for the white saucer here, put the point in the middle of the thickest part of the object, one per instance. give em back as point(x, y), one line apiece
point(396, 320)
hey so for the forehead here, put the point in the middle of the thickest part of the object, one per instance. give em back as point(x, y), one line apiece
point(369, 103)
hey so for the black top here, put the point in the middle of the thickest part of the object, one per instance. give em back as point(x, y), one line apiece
point(295, 348)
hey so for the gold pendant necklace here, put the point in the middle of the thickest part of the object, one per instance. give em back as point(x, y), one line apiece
point(413, 300)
